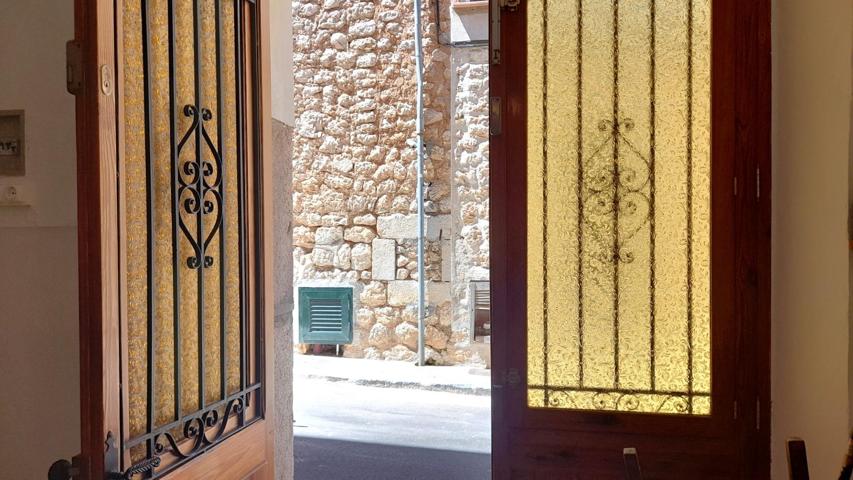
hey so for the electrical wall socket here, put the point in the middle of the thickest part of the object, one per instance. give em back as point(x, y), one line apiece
point(12, 194)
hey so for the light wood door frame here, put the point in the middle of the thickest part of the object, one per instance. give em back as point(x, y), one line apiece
point(742, 53)
point(98, 130)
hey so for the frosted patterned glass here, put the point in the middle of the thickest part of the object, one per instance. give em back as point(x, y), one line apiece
point(619, 205)
point(217, 294)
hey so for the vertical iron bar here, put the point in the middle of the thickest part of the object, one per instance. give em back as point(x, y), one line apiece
point(259, 205)
point(149, 206)
point(545, 196)
point(690, 204)
point(223, 331)
point(616, 247)
point(200, 186)
point(652, 191)
point(241, 185)
point(580, 181)
point(176, 213)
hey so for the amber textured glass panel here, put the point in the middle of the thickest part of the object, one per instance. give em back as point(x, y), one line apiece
point(137, 267)
point(619, 205)
point(231, 205)
point(183, 267)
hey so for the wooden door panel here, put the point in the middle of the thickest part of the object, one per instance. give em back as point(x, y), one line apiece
point(615, 112)
point(172, 184)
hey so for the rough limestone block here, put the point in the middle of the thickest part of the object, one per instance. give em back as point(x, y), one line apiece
point(361, 256)
point(323, 256)
point(446, 255)
point(438, 292)
point(329, 236)
point(397, 226)
point(438, 227)
point(402, 292)
point(384, 259)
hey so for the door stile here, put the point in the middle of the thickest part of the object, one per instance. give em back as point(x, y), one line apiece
point(121, 188)
point(99, 275)
point(508, 241)
point(265, 300)
point(752, 144)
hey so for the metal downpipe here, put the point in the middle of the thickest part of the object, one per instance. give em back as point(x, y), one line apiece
point(419, 67)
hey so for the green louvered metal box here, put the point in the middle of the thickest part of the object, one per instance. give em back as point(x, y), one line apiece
point(325, 315)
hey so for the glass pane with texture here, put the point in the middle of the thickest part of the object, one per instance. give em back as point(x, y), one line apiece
point(183, 260)
point(619, 205)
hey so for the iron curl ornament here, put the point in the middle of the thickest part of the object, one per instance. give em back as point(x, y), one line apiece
point(199, 188)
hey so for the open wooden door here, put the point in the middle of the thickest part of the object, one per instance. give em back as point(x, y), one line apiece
point(630, 238)
point(174, 246)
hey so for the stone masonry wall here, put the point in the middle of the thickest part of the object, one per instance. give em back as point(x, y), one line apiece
point(354, 171)
point(470, 166)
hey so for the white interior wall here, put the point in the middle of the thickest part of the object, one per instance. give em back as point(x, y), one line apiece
point(39, 386)
point(811, 139)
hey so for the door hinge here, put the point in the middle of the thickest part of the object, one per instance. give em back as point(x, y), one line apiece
point(495, 116)
point(74, 67)
point(758, 413)
point(734, 410)
point(758, 183)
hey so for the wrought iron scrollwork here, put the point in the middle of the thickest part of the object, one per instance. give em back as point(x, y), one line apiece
point(190, 436)
point(202, 429)
point(199, 188)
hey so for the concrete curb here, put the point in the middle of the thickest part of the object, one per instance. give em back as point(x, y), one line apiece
point(433, 387)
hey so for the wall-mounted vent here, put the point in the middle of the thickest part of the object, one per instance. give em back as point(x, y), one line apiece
point(480, 304)
point(325, 315)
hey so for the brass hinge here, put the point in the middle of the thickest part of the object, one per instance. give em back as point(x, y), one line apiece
point(74, 67)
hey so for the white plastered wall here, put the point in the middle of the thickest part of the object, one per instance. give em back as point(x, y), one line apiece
point(39, 373)
point(811, 139)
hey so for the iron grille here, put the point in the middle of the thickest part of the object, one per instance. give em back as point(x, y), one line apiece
point(189, 191)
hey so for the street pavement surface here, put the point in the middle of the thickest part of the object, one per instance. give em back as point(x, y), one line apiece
point(348, 431)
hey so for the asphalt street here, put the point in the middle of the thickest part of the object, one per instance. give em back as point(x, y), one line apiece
point(346, 431)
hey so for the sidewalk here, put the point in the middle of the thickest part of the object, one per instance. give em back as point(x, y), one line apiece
point(390, 374)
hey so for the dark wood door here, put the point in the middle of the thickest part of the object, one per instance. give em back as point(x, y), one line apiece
point(630, 200)
point(173, 181)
